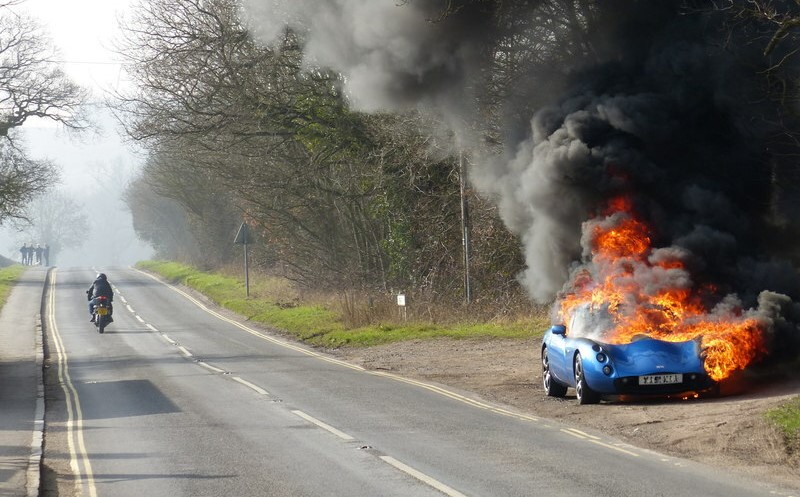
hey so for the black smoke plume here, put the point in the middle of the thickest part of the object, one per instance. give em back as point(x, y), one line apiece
point(665, 102)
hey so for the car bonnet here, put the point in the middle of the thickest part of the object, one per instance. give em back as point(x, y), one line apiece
point(648, 356)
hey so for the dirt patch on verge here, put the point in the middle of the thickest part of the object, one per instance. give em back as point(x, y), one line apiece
point(728, 432)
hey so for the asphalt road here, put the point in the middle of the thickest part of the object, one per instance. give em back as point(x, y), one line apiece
point(178, 399)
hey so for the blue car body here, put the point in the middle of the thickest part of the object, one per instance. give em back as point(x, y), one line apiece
point(646, 366)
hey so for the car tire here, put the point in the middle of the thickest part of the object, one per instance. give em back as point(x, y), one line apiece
point(551, 387)
point(585, 394)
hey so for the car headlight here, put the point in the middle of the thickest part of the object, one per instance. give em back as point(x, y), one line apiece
point(601, 357)
point(607, 370)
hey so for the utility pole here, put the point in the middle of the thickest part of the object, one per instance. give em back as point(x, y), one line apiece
point(465, 230)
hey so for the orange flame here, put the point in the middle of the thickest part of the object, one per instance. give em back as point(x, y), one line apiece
point(654, 296)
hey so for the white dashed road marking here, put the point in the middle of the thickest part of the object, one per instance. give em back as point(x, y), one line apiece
point(324, 426)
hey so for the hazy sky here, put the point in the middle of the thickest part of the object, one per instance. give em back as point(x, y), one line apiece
point(84, 31)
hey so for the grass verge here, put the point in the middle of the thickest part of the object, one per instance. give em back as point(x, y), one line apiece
point(787, 418)
point(8, 278)
point(322, 326)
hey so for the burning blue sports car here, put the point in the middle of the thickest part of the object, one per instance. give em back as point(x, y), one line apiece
point(646, 366)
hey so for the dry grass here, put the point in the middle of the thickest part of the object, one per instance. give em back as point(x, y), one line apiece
point(358, 308)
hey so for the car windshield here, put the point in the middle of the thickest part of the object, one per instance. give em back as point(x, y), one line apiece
point(591, 321)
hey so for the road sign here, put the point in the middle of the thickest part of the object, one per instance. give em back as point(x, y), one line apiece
point(243, 235)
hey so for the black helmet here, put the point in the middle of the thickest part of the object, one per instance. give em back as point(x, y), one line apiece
point(102, 276)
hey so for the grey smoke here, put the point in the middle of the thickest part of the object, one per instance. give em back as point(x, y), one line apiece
point(655, 110)
point(393, 55)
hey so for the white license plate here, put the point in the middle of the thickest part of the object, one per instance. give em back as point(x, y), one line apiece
point(660, 379)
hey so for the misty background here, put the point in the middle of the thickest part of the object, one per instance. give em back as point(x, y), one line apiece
point(83, 217)
point(92, 226)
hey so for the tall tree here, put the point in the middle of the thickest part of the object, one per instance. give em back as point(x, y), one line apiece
point(340, 199)
point(162, 222)
point(212, 103)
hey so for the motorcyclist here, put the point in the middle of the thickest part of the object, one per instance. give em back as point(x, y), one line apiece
point(100, 288)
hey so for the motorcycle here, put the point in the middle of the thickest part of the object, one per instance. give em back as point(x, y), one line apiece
point(101, 315)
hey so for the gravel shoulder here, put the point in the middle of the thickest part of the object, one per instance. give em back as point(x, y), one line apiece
point(729, 432)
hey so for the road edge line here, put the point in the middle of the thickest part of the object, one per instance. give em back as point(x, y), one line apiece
point(33, 476)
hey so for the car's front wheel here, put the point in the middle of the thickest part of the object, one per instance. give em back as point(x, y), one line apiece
point(585, 394)
point(551, 387)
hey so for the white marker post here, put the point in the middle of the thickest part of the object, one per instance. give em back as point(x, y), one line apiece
point(401, 304)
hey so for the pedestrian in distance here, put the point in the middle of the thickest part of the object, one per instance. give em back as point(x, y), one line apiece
point(38, 251)
point(23, 254)
point(46, 254)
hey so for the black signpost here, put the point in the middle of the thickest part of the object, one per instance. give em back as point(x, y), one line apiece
point(243, 238)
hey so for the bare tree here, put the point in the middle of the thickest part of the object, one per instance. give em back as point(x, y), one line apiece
point(204, 231)
point(32, 84)
point(162, 222)
point(339, 199)
point(213, 105)
point(21, 180)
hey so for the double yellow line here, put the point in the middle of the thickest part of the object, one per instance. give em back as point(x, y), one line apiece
point(79, 457)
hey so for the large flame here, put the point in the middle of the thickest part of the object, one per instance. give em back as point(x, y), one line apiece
point(648, 291)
